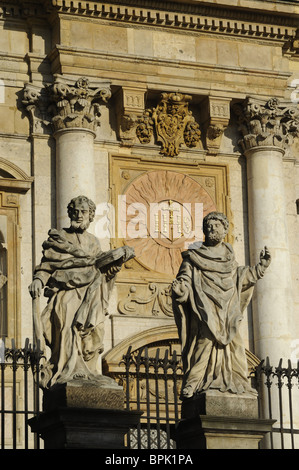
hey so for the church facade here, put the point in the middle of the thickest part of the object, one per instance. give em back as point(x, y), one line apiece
point(160, 112)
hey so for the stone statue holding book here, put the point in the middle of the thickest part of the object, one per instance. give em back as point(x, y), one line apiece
point(77, 277)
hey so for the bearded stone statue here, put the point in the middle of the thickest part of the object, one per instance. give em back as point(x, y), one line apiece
point(210, 295)
point(77, 277)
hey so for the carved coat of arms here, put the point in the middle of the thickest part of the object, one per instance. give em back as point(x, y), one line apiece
point(172, 122)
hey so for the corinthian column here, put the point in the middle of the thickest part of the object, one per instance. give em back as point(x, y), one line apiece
point(267, 129)
point(76, 110)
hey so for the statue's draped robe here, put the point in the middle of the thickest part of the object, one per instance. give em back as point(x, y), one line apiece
point(73, 320)
point(208, 317)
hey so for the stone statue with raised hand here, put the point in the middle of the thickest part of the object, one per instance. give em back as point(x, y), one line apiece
point(210, 295)
point(77, 277)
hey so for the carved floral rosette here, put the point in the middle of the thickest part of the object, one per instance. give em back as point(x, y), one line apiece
point(171, 122)
point(272, 123)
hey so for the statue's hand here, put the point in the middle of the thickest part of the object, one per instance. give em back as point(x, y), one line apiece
point(35, 288)
point(179, 287)
point(265, 257)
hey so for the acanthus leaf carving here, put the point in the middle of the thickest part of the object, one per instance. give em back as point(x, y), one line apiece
point(77, 105)
point(267, 123)
point(158, 301)
point(65, 105)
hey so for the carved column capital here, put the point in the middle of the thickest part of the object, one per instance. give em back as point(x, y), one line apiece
point(65, 104)
point(267, 123)
point(36, 101)
point(217, 116)
point(77, 104)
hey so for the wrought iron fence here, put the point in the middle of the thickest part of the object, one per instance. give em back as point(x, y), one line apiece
point(152, 385)
point(20, 395)
point(278, 395)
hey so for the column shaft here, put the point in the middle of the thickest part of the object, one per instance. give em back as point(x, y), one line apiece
point(272, 301)
point(75, 174)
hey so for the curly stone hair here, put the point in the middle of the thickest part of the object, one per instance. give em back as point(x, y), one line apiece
point(80, 199)
point(216, 216)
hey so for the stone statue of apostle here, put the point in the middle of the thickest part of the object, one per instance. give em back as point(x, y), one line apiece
point(77, 277)
point(210, 295)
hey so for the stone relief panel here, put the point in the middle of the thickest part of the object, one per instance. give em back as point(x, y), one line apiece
point(171, 217)
point(159, 211)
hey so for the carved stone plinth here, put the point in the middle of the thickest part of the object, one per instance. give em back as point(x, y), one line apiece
point(84, 415)
point(103, 393)
point(216, 420)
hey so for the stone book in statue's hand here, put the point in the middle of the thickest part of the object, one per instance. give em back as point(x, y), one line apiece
point(117, 256)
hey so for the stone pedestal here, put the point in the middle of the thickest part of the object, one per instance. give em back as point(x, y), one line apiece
point(84, 414)
point(217, 420)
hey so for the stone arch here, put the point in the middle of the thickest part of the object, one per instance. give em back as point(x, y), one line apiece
point(160, 337)
point(13, 178)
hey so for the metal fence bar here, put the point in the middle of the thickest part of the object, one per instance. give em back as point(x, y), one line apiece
point(156, 370)
point(165, 378)
point(146, 362)
point(265, 373)
point(26, 407)
point(157, 377)
point(20, 361)
point(2, 405)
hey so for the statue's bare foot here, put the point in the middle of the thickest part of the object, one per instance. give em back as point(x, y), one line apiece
point(79, 375)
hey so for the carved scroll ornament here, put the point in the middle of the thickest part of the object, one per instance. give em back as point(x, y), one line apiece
point(172, 123)
point(158, 301)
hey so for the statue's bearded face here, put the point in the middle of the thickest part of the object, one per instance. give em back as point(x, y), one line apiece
point(80, 216)
point(214, 232)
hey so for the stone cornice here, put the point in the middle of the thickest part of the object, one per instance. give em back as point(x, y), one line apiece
point(230, 17)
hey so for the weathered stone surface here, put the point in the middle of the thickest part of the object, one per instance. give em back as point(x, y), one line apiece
point(102, 393)
point(216, 403)
point(214, 432)
point(84, 428)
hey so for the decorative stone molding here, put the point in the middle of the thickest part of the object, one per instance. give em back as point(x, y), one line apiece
point(217, 119)
point(158, 302)
point(66, 104)
point(129, 108)
point(78, 104)
point(271, 123)
point(36, 101)
point(191, 16)
point(172, 123)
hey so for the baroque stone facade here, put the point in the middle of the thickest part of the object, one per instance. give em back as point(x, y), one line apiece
point(149, 109)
